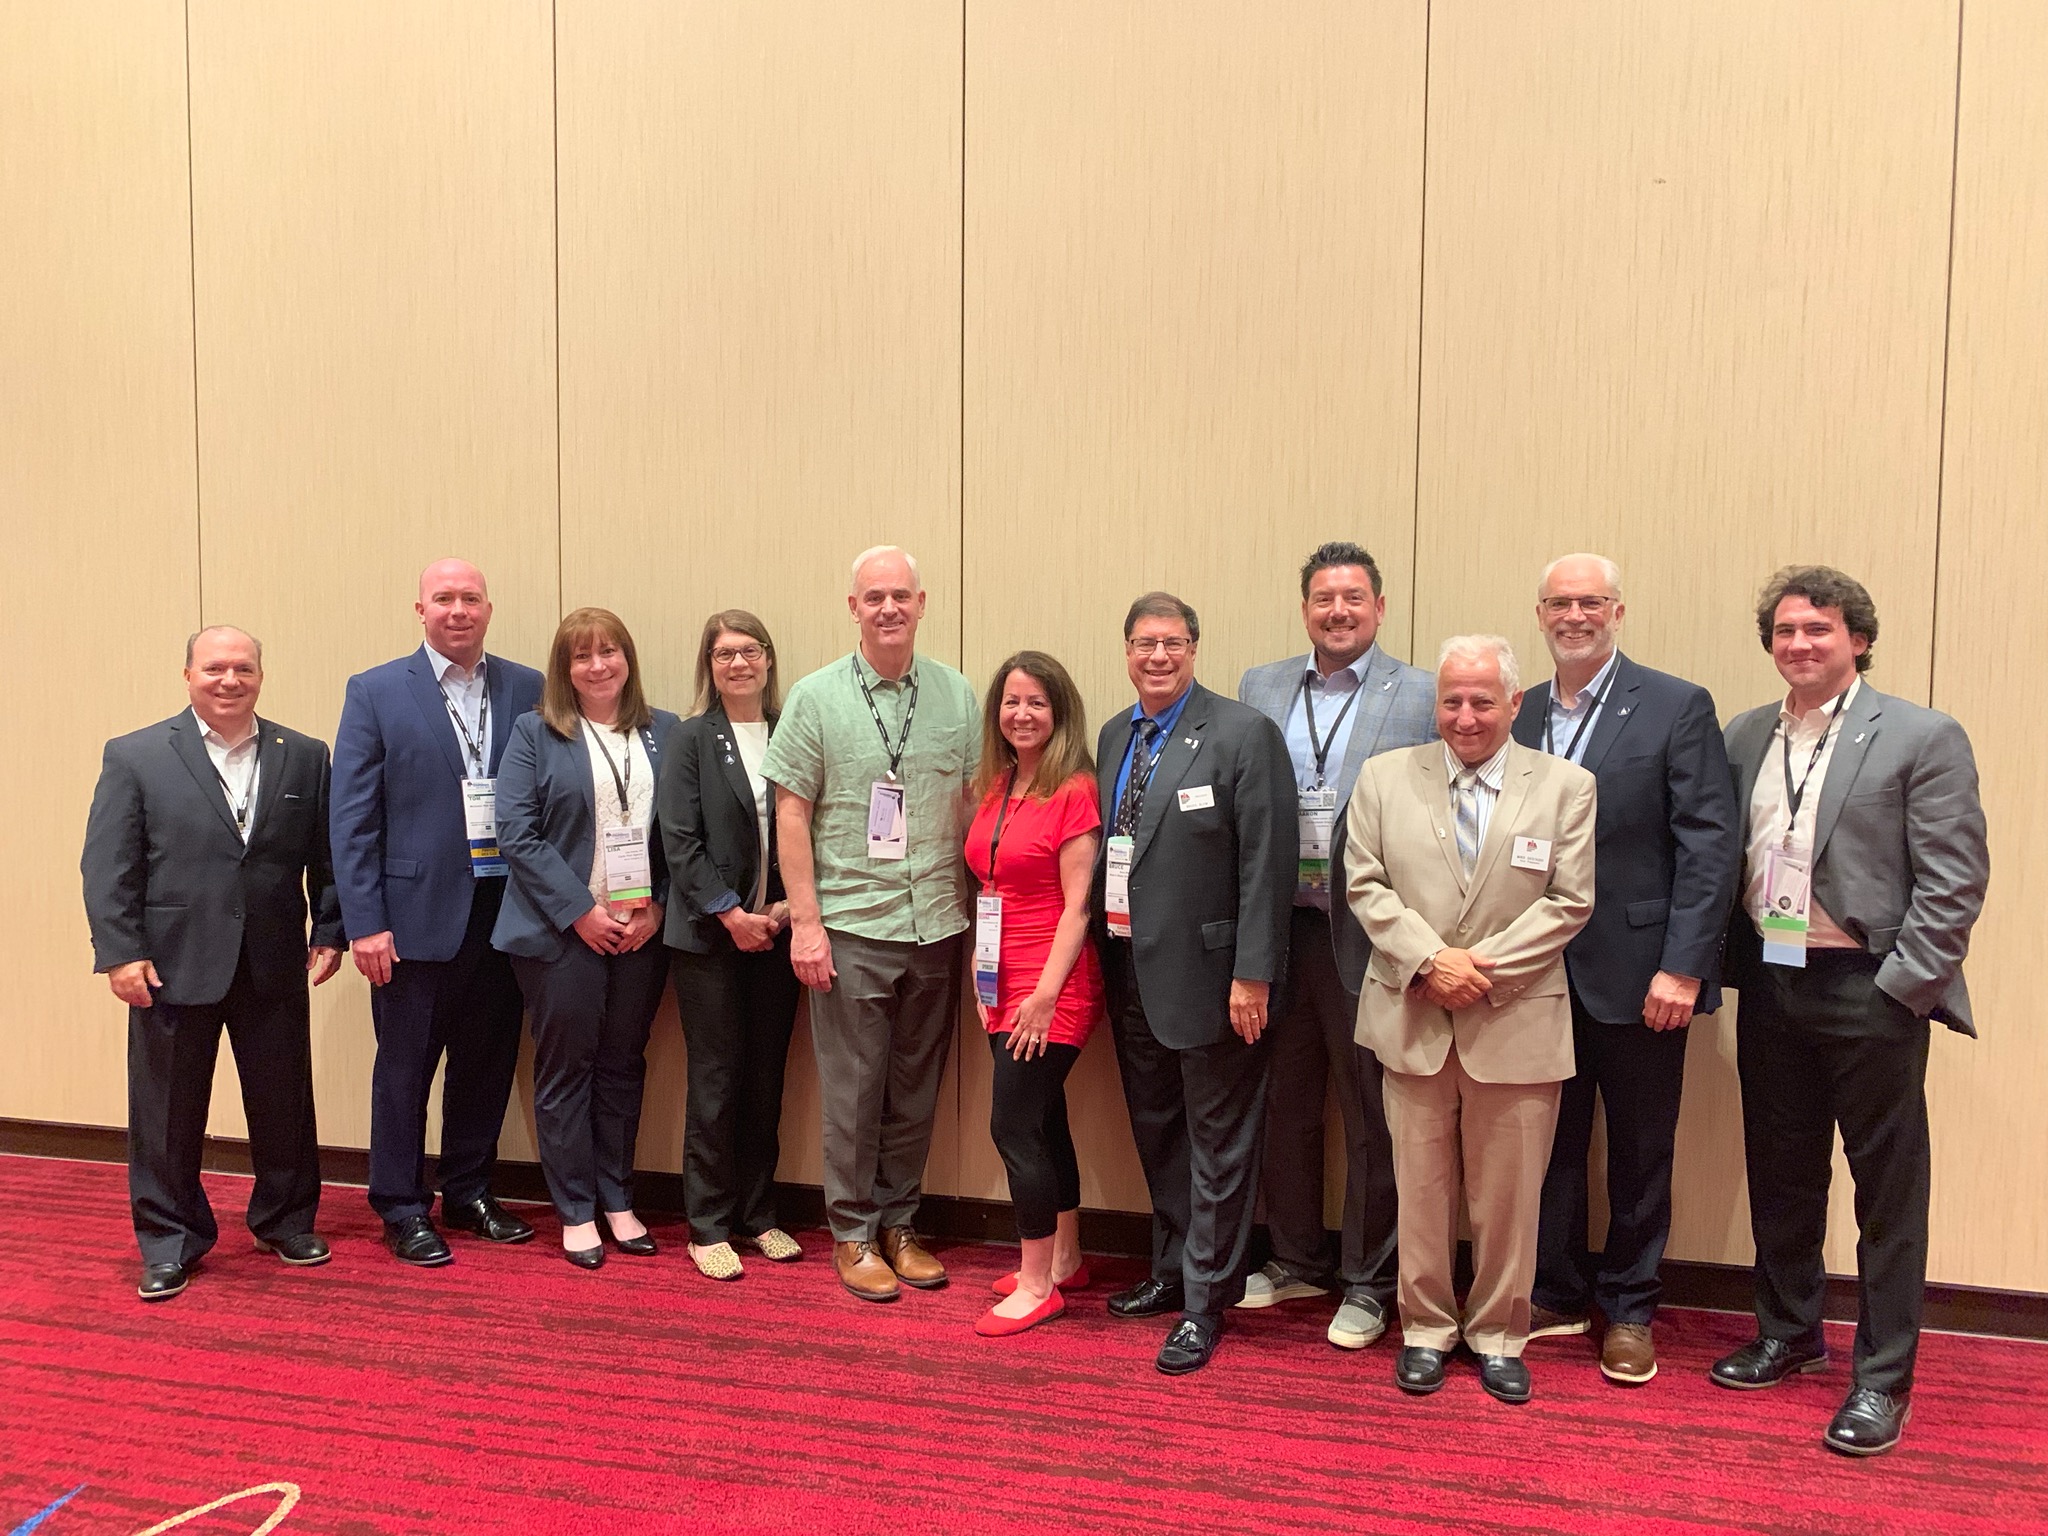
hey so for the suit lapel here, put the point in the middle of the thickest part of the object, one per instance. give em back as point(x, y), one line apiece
point(1371, 710)
point(731, 764)
point(1436, 794)
point(192, 753)
point(1177, 754)
point(1857, 731)
point(1514, 789)
point(495, 684)
point(1112, 760)
point(270, 774)
point(1624, 691)
point(433, 703)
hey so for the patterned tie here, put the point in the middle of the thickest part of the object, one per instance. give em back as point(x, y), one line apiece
point(1133, 802)
point(1467, 802)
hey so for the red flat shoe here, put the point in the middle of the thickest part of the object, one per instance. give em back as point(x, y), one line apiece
point(990, 1326)
point(1077, 1281)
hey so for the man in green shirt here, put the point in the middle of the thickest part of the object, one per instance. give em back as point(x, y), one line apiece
point(870, 761)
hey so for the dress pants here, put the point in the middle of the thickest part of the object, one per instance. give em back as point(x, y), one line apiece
point(1312, 1048)
point(1454, 1135)
point(1817, 1048)
point(881, 1036)
point(468, 1007)
point(1198, 1117)
point(737, 1008)
point(1639, 1073)
point(1027, 1120)
point(172, 1048)
point(590, 1015)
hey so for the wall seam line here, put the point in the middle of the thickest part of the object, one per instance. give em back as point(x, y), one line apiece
point(555, 236)
point(1421, 302)
point(192, 289)
point(1948, 306)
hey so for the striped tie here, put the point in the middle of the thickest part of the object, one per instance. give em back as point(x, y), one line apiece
point(1132, 806)
point(1467, 796)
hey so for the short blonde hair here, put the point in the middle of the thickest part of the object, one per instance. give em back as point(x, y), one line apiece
point(1494, 648)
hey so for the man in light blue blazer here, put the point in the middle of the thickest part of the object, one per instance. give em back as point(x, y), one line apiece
point(416, 753)
point(1343, 702)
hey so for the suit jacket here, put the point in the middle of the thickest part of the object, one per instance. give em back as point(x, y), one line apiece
point(1211, 887)
point(1407, 888)
point(168, 878)
point(1900, 857)
point(547, 830)
point(1396, 708)
point(709, 831)
point(1667, 844)
point(401, 847)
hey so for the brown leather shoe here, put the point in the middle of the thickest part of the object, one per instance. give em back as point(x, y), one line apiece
point(1627, 1355)
point(862, 1271)
point(907, 1257)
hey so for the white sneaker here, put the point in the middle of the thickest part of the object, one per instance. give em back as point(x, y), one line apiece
point(1358, 1322)
point(1274, 1284)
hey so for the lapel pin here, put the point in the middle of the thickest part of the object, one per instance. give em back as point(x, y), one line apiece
point(1621, 712)
point(1191, 741)
point(1859, 737)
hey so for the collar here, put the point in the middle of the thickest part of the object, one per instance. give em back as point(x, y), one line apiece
point(1826, 711)
point(1492, 773)
point(875, 679)
point(208, 734)
point(443, 666)
point(1357, 669)
point(1595, 686)
point(1168, 720)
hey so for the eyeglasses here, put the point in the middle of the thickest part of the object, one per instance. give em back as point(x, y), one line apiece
point(1173, 645)
point(725, 656)
point(1560, 606)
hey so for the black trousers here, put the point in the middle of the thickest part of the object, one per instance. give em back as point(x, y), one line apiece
point(1312, 1033)
point(1817, 1048)
point(1027, 1119)
point(590, 1015)
point(172, 1048)
point(737, 1010)
point(1639, 1074)
point(468, 1007)
point(1198, 1117)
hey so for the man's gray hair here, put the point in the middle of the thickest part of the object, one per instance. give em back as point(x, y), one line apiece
point(192, 640)
point(1609, 572)
point(866, 555)
point(1492, 648)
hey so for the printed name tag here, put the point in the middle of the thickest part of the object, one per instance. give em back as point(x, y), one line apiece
point(628, 871)
point(480, 819)
point(1315, 821)
point(988, 947)
point(1788, 901)
point(1200, 798)
point(1531, 853)
point(1116, 886)
point(888, 832)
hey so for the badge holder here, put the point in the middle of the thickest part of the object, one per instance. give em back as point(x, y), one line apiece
point(888, 833)
point(1316, 821)
point(480, 819)
point(628, 869)
point(1788, 896)
point(1116, 886)
point(988, 947)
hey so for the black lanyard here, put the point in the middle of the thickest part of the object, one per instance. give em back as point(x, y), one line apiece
point(1321, 749)
point(894, 754)
point(623, 784)
point(995, 839)
point(249, 794)
point(476, 746)
point(1131, 803)
point(1571, 752)
point(1793, 795)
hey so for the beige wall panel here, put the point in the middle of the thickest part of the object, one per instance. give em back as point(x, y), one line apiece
point(760, 320)
point(96, 478)
point(1990, 1138)
point(1193, 236)
point(1683, 303)
point(373, 218)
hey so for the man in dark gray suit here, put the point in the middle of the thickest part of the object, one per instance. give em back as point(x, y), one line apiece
point(206, 843)
point(1192, 892)
point(1344, 702)
point(1865, 869)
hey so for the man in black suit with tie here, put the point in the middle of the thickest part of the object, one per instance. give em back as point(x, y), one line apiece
point(1667, 848)
point(1192, 899)
point(206, 842)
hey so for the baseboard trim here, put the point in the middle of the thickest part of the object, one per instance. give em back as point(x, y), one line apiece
point(1687, 1283)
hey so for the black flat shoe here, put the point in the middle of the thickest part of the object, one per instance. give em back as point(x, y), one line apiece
point(1419, 1369)
point(1148, 1298)
point(1505, 1377)
point(303, 1248)
point(414, 1241)
point(641, 1247)
point(486, 1218)
point(1869, 1423)
point(1190, 1345)
point(160, 1282)
point(585, 1258)
point(1766, 1362)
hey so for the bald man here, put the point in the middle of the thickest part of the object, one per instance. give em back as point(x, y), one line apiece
point(417, 867)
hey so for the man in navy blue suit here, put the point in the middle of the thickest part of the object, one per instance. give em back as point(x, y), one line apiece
point(420, 878)
point(1667, 849)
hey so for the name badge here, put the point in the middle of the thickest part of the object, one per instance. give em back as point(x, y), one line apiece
point(1788, 902)
point(888, 832)
point(628, 871)
point(988, 947)
point(1116, 886)
point(1316, 821)
point(1201, 798)
point(480, 818)
point(1531, 853)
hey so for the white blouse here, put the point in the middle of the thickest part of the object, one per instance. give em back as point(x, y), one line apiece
point(629, 757)
point(752, 736)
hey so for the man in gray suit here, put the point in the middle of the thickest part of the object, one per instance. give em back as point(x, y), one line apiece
point(1345, 701)
point(1865, 869)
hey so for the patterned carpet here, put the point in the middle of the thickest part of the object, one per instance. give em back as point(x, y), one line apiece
point(509, 1392)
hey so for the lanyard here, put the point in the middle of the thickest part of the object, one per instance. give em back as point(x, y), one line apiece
point(1550, 742)
point(1321, 749)
point(478, 745)
point(1134, 785)
point(995, 840)
point(241, 810)
point(1793, 795)
point(624, 784)
point(894, 754)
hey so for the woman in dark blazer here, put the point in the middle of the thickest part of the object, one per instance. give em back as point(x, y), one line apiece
point(728, 928)
point(583, 909)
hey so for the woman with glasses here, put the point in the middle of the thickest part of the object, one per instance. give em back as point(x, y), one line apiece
point(581, 919)
point(728, 929)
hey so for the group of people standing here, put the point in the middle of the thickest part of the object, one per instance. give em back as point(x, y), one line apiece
point(1465, 908)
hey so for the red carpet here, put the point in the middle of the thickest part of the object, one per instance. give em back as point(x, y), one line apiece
point(509, 1392)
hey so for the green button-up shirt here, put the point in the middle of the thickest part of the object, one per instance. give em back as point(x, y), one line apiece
point(826, 749)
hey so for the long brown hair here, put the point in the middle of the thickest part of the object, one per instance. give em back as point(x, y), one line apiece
point(558, 703)
point(1066, 750)
point(739, 622)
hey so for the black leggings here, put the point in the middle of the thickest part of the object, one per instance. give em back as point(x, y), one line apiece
point(1028, 1118)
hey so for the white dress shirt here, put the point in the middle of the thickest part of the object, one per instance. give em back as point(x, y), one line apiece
point(1770, 812)
point(1493, 773)
point(236, 765)
point(466, 692)
point(752, 736)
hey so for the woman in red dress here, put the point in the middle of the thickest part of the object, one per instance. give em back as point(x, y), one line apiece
point(1032, 846)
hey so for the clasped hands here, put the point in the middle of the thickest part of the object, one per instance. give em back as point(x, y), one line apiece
point(1456, 978)
point(755, 931)
point(610, 934)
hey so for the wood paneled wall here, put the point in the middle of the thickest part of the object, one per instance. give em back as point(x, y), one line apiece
point(676, 306)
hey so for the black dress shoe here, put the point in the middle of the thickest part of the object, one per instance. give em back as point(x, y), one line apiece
point(641, 1247)
point(1766, 1362)
point(1148, 1298)
point(414, 1240)
point(486, 1218)
point(1190, 1345)
point(307, 1248)
point(1419, 1369)
point(160, 1282)
point(1869, 1423)
point(1505, 1377)
point(585, 1258)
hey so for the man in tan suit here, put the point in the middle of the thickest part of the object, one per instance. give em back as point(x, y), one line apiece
point(1470, 866)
